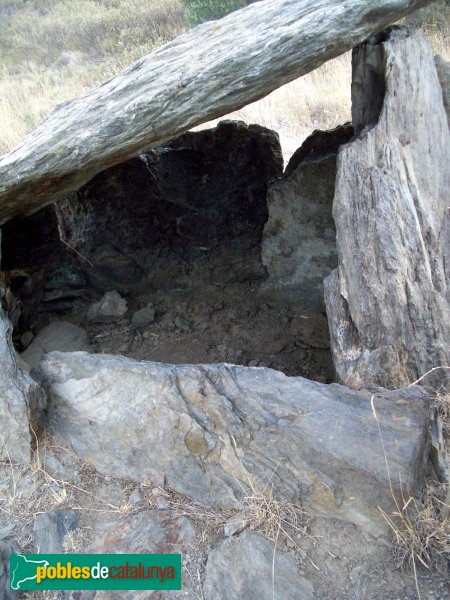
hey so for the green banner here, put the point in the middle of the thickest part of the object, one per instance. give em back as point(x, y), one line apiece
point(95, 571)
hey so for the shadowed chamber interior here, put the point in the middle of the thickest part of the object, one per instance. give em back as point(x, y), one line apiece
point(207, 231)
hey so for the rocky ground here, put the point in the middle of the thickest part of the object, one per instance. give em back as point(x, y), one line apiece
point(99, 513)
point(221, 323)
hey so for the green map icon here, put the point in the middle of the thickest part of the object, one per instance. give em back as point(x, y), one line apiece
point(23, 569)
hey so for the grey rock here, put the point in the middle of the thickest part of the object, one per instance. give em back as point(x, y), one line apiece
point(49, 530)
point(211, 427)
point(135, 497)
point(181, 323)
point(386, 303)
point(241, 567)
point(6, 531)
point(235, 525)
point(26, 339)
point(211, 233)
point(111, 307)
point(299, 239)
point(6, 548)
point(161, 503)
point(53, 466)
point(143, 317)
point(200, 75)
point(146, 532)
point(65, 277)
point(21, 401)
point(59, 335)
point(443, 71)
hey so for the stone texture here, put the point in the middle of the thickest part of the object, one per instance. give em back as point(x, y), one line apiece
point(241, 567)
point(111, 307)
point(206, 429)
point(187, 213)
point(49, 530)
point(143, 317)
point(386, 302)
point(207, 72)
point(299, 239)
point(21, 400)
point(6, 548)
point(443, 71)
point(147, 532)
point(59, 335)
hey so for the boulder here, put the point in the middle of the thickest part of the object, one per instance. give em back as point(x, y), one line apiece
point(143, 317)
point(208, 72)
point(188, 213)
point(249, 567)
point(299, 240)
point(7, 547)
point(387, 301)
point(21, 401)
point(207, 430)
point(59, 335)
point(49, 530)
point(111, 307)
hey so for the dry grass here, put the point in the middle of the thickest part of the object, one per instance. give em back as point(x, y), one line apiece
point(53, 50)
point(421, 535)
point(441, 401)
point(421, 530)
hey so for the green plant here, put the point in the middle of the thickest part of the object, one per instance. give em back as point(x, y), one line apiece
point(200, 11)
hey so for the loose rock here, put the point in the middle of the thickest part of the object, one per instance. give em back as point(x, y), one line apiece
point(112, 307)
point(59, 335)
point(143, 317)
point(49, 530)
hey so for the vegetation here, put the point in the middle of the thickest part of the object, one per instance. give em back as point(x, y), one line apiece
point(53, 50)
point(200, 11)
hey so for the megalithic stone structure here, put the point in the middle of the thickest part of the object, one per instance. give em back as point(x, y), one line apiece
point(211, 70)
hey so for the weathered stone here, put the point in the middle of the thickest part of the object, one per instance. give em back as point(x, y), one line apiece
point(181, 323)
point(241, 567)
point(299, 239)
point(59, 335)
point(443, 71)
point(21, 401)
point(111, 307)
point(143, 317)
point(147, 532)
point(209, 428)
point(235, 525)
point(49, 530)
point(6, 548)
point(207, 72)
point(386, 302)
point(188, 213)
point(26, 339)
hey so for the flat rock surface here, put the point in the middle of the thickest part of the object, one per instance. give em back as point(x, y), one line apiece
point(207, 429)
point(241, 567)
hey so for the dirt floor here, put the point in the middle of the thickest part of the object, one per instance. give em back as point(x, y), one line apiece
point(234, 324)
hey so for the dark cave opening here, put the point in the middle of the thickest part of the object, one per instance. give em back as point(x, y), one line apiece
point(224, 252)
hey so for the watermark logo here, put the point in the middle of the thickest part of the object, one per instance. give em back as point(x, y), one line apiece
point(95, 571)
